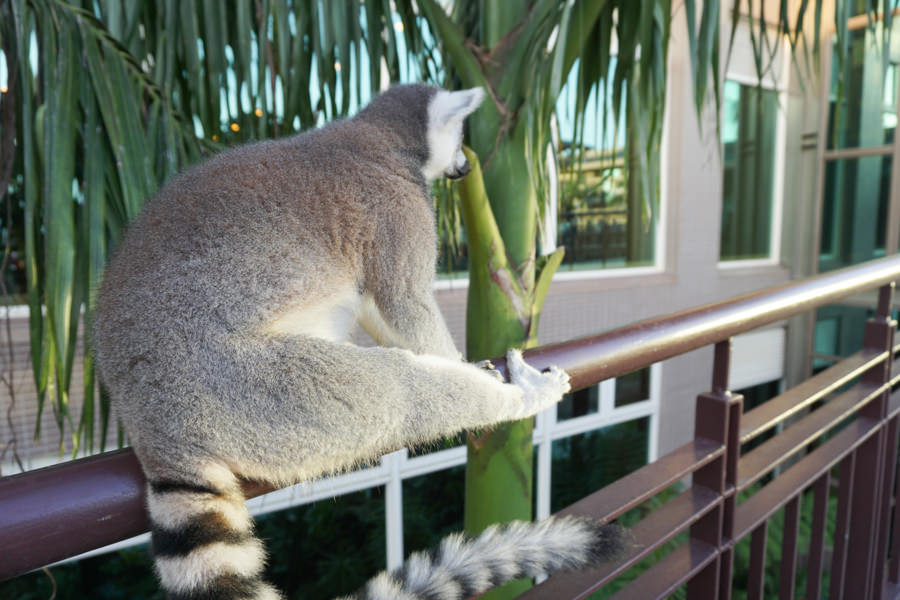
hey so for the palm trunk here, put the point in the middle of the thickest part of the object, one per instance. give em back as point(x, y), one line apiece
point(503, 305)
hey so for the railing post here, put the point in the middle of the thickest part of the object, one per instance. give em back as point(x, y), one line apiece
point(718, 418)
point(867, 542)
point(885, 321)
point(841, 527)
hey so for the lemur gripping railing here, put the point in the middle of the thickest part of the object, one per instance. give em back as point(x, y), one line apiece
point(54, 513)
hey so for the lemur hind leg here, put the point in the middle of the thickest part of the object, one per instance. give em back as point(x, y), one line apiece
point(305, 407)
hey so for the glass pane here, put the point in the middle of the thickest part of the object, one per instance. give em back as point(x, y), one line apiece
point(854, 211)
point(580, 403)
point(339, 543)
point(759, 393)
point(867, 113)
point(826, 338)
point(838, 332)
point(601, 220)
point(750, 119)
point(753, 397)
point(633, 387)
point(432, 507)
point(586, 462)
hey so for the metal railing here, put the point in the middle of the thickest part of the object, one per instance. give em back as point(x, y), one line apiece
point(54, 513)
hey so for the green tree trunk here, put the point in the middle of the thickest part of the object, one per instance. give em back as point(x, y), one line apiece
point(503, 304)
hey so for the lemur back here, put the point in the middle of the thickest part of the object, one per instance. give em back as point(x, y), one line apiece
point(221, 329)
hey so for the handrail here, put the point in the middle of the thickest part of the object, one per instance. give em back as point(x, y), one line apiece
point(54, 513)
point(626, 349)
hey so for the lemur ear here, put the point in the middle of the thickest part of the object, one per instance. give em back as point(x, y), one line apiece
point(448, 107)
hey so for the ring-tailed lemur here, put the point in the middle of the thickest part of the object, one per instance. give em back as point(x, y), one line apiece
point(220, 335)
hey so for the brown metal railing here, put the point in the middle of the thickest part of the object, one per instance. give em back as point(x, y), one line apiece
point(855, 431)
point(61, 511)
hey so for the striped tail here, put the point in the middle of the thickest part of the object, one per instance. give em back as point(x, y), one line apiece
point(203, 543)
point(464, 567)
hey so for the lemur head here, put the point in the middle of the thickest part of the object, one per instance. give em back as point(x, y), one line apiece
point(446, 112)
point(417, 109)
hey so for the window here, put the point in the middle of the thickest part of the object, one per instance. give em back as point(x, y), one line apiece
point(866, 114)
point(583, 463)
point(632, 387)
point(750, 120)
point(838, 333)
point(754, 396)
point(862, 114)
point(758, 394)
point(602, 219)
point(753, 130)
point(342, 539)
point(854, 211)
point(857, 174)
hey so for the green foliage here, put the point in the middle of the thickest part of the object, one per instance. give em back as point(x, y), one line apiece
point(123, 575)
point(631, 518)
point(432, 508)
point(774, 540)
point(325, 549)
point(452, 249)
point(113, 98)
point(584, 463)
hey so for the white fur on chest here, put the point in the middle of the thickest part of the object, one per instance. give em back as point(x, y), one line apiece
point(376, 326)
point(332, 319)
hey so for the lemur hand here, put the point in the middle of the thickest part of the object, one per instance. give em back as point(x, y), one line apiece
point(539, 390)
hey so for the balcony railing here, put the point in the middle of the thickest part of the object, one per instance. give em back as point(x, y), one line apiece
point(825, 423)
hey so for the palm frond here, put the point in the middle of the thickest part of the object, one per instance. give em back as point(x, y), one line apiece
point(115, 98)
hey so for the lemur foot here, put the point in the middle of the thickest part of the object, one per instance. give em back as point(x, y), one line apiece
point(539, 390)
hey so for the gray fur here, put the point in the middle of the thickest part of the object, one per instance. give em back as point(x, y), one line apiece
point(464, 567)
point(221, 321)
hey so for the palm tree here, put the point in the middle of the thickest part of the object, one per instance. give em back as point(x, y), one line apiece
point(106, 100)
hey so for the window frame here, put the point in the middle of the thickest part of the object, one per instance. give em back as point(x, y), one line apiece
point(825, 155)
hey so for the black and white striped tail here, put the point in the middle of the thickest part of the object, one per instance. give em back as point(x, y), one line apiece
point(205, 549)
point(203, 543)
point(463, 567)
